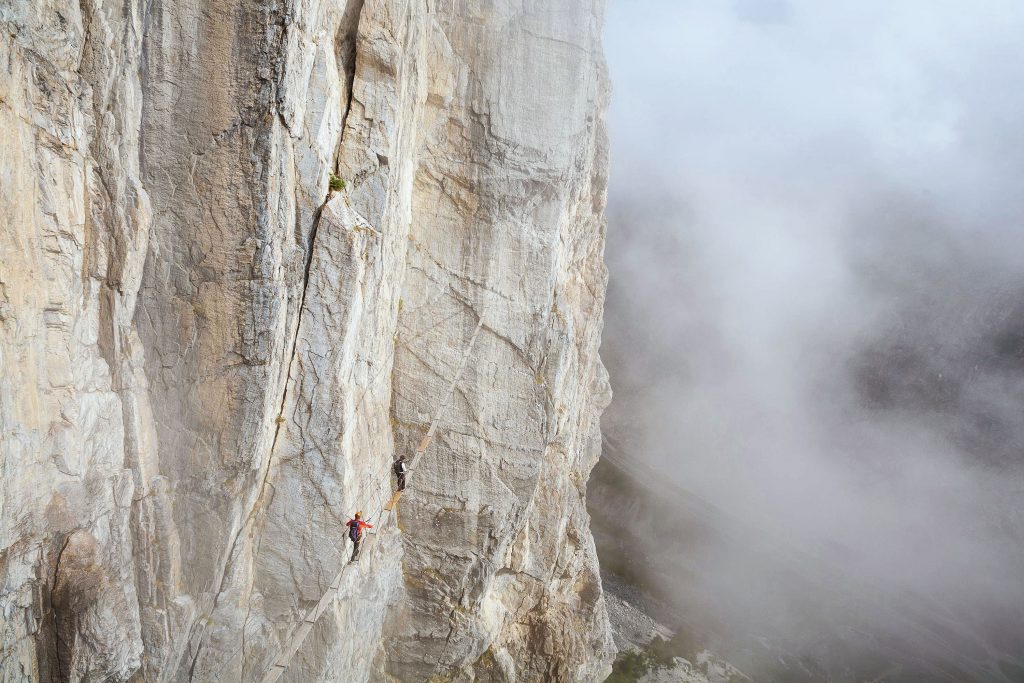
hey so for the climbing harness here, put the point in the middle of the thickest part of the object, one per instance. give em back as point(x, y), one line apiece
point(296, 638)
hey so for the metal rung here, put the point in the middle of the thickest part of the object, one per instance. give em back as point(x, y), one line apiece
point(393, 502)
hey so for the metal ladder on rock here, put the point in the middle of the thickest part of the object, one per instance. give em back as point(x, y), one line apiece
point(297, 636)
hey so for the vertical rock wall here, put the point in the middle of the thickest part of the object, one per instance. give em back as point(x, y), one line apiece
point(205, 367)
point(506, 225)
point(74, 220)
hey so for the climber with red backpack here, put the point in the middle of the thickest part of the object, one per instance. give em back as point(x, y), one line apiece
point(355, 533)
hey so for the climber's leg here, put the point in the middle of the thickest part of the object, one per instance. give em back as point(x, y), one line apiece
point(355, 550)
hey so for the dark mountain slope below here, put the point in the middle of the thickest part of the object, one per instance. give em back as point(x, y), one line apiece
point(689, 565)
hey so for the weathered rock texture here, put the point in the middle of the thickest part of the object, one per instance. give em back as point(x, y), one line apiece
point(206, 367)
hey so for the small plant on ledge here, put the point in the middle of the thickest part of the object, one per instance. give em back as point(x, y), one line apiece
point(335, 183)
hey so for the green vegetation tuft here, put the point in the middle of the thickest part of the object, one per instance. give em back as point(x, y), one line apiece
point(630, 667)
point(335, 183)
point(665, 651)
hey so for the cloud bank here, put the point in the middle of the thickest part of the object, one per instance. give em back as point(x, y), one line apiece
point(816, 308)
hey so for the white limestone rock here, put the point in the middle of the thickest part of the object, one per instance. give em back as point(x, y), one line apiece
point(206, 366)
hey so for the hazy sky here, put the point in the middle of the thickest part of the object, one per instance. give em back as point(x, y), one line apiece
point(816, 311)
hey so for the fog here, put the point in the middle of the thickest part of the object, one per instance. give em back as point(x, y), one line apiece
point(815, 318)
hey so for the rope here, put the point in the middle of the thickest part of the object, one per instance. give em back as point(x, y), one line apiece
point(384, 514)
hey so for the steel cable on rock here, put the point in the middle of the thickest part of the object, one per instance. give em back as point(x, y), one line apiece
point(297, 636)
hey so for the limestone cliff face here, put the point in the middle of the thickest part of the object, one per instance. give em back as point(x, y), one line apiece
point(208, 363)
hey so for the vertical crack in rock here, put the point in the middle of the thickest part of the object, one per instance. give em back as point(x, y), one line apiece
point(348, 30)
point(57, 645)
point(258, 504)
point(347, 53)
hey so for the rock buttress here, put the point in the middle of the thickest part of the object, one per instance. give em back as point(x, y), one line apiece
point(498, 110)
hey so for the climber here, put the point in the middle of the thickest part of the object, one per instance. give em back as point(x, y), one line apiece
point(401, 469)
point(355, 533)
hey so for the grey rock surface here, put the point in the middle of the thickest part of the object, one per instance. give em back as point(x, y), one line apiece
point(208, 361)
